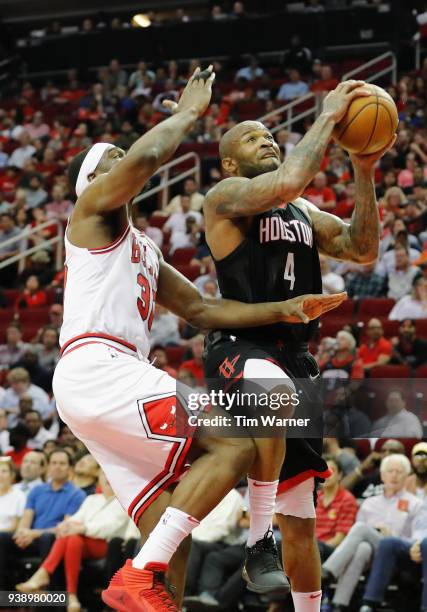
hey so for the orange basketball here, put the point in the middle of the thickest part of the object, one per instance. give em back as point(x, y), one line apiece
point(369, 123)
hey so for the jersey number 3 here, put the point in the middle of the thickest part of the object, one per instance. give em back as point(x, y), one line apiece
point(290, 270)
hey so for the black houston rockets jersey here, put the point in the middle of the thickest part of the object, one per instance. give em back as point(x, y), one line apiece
point(277, 260)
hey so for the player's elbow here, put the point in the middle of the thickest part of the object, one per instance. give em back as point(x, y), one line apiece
point(290, 188)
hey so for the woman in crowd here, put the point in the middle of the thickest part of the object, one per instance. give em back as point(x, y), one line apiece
point(84, 535)
point(12, 501)
point(413, 306)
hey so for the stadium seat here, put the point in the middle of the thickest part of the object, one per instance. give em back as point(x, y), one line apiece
point(421, 327)
point(375, 307)
point(11, 296)
point(421, 372)
point(363, 448)
point(190, 272)
point(330, 325)
point(183, 256)
point(6, 316)
point(391, 371)
point(346, 309)
point(34, 316)
point(157, 221)
point(175, 355)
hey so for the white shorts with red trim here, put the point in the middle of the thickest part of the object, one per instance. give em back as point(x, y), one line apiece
point(123, 410)
point(298, 501)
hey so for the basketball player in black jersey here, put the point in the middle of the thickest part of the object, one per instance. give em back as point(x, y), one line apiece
point(265, 241)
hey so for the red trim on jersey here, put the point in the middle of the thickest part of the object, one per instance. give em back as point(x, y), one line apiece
point(101, 337)
point(112, 245)
point(290, 483)
point(92, 342)
point(179, 469)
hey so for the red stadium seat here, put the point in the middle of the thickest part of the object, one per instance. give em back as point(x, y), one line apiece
point(421, 327)
point(330, 325)
point(157, 221)
point(175, 355)
point(191, 272)
point(183, 256)
point(34, 316)
point(346, 309)
point(375, 307)
point(421, 372)
point(11, 296)
point(391, 371)
point(408, 443)
point(6, 316)
point(363, 448)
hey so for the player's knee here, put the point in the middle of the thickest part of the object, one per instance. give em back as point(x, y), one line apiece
point(297, 532)
point(240, 452)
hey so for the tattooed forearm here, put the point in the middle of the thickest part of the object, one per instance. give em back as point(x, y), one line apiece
point(364, 228)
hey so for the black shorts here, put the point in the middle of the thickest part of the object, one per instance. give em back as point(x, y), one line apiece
point(225, 358)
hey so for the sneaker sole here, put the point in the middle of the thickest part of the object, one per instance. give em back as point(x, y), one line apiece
point(120, 600)
point(283, 589)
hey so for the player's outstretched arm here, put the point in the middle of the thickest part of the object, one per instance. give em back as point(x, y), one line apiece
point(358, 240)
point(128, 177)
point(243, 197)
point(181, 297)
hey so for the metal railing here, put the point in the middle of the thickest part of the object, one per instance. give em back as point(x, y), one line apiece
point(20, 241)
point(391, 69)
point(166, 181)
point(289, 109)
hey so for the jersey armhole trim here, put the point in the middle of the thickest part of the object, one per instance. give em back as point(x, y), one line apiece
point(104, 249)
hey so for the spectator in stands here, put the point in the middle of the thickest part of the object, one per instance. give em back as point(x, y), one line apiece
point(47, 505)
point(178, 226)
point(195, 365)
point(398, 420)
point(313, 6)
point(413, 306)
point(346, 458)
point(394, 201)
point(408, 349)
point(344, 363)
point(331, 281)
point(33, 468)
point(389, 241)
point(250, 72)
point(365, 283)
point(377, 349)
point(24, 152)
point(56, 312)
point(335, 512)
point(59, 207)
point(387, 264)
point(327, 81)
point(18, 440)
point(190, 189)
point(210, 276)
point(38, 433)
point(159, 359)
point(389, 513)
point(4, 157)
point(343, 418)
point(417, 482)
point(84, 534)
point(37, 128)
point(165, 330)
point(116, 75)
point(293, 88)
point(297, 56)
point(12, 501)
point(14, 348)
point(400, 279)
point(9, 230)
point(20, 386)
point(47, 350)
point(32, 296)
point(217, 529)
point(320, 194)
point(4, 433)
point(155, 233)
point(238, 10)
point(86, 473)
point(35, 195)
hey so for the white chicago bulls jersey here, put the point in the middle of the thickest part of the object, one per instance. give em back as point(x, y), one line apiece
point(110, 293)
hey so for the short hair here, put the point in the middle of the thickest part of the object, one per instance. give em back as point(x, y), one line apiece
point(10, 464)
point(65, 452)
point(74, 167)
point(402, 459)
point(34, 411)
point(349, 337)
point(18, 375)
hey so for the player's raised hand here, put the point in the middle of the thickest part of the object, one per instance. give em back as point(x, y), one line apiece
point(197, 93)
point(305, 308)
point(338, 100)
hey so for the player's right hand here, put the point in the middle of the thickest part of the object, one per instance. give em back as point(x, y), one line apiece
point(197, 93)
point(338, 100)
point(305, 308)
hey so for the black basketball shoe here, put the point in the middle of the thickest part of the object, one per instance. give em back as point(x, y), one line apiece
point(262, 570)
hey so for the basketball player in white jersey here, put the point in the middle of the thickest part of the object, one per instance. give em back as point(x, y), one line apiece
point(107, 392)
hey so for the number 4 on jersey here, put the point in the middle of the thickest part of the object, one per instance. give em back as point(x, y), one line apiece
point(290, 270)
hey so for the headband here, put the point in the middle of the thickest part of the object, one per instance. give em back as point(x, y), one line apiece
point(89, 165)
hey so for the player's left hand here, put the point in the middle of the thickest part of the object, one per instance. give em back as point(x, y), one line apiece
point(305, 308)
point(197, 93)
point(367, 162)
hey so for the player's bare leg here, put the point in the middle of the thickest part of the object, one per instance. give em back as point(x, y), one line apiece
point(301, 560)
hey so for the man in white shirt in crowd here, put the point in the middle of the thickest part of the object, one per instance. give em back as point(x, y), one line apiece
point(20, 385)
point(39, 434)
point(190, 189)
point(391, 513)
point(14, 348)
point(178, 225)
point(33, 468)
point(331, 282)
point(141, 222)
point(165, 328)
point(209, 276)
point(398, 422)
point(400, 279)
point(22, 153)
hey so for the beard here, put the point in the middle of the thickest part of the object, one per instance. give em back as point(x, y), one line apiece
point(251, 170)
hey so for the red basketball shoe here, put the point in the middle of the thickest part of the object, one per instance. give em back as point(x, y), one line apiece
point(136, 590)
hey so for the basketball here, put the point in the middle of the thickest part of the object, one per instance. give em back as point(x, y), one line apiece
point(369, 123)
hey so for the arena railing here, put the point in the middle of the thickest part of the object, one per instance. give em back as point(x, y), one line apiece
point(20, 242)
point(314, 100)
point(167, 181)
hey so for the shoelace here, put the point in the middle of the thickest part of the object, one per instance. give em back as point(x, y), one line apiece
point(159, 596)
point(271, 561)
